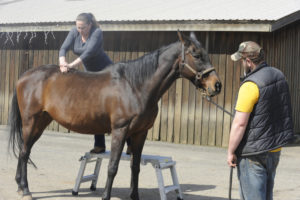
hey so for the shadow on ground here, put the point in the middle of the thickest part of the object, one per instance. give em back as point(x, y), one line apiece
point(123, 193)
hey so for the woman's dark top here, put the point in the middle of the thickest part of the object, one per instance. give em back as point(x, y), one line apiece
point(91, 52)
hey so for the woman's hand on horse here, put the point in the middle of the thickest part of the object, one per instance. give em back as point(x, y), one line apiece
point(64, 66)
point(64, 69)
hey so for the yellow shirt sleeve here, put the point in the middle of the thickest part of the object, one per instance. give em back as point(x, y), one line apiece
point(247, 97)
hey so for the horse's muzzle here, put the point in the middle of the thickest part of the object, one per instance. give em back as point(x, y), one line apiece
point(218, 87)
point(214, 91)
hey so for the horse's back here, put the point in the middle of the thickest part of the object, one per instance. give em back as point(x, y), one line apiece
point(37, 74)
point(30, 86)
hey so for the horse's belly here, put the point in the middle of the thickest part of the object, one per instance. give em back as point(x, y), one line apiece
point(82, 122)
point(93, 127)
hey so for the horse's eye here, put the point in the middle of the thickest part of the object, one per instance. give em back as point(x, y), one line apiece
point(205, 75)
point(196, 56)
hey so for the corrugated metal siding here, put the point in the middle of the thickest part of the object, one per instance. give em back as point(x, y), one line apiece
point(184, 116)
point(36, 11)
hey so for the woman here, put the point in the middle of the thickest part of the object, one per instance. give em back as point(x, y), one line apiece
point(86, 41)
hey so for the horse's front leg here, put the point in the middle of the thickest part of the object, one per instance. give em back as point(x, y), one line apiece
point(117, 144)
point(138, 141)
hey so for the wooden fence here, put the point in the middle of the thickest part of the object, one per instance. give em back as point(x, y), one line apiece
point(184, 116)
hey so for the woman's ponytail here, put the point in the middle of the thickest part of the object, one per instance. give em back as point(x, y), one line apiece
point(88, 18)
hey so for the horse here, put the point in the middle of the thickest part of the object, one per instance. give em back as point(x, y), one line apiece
point(121, 100)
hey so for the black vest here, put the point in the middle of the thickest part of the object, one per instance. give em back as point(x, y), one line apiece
point(270, 125)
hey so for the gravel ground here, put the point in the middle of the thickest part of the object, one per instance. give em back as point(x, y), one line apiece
point(202, 171)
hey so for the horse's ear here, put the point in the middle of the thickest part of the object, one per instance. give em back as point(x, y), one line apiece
point(180, 36)
point(194, 39)
point(193, 36)
point(184, 40)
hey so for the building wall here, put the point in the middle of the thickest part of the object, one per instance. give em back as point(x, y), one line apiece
point(184, 117)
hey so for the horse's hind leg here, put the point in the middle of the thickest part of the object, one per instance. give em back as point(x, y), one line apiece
point(18, 177)
point(138, 141)
point(32, 130)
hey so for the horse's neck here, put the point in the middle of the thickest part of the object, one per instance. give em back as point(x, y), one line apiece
point(165, 74)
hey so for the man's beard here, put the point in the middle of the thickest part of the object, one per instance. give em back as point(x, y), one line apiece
point(247, 70)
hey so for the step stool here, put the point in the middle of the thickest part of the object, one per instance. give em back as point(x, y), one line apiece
point(158, 162)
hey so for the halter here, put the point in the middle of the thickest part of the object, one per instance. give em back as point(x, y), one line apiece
point(198, 75)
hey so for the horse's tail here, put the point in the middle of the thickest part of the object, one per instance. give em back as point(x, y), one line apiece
point(15, 121)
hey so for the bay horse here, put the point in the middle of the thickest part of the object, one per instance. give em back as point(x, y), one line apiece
point(121, 100)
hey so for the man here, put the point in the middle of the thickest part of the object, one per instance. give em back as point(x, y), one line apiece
point(262, 123)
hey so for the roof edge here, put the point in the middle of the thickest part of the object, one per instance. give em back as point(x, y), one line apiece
point(160, 25)
point(285, 21)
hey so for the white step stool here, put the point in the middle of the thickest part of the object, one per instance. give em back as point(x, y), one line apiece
point(158, 162)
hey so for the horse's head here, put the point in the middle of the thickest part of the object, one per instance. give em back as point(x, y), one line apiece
point(194, 64)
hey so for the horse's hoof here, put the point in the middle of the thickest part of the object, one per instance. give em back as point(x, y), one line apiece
point(105, 198)
point(134, 197)
point(27, 197)
point(74, 193)
point(20, 192)
point(93, 188)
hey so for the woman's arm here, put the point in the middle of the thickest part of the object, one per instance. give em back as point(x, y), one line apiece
point(64, 66)
point(93, 45)
point(66, 46)
point(75, 63)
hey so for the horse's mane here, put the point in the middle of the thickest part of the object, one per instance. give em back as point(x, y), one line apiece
point(141, 69)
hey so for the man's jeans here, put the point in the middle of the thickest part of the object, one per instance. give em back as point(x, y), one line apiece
point(256, 175)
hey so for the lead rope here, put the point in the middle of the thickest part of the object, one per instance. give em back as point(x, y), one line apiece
point(220, 107)
point(230, 183)
point(231, 168)
point(209, 100)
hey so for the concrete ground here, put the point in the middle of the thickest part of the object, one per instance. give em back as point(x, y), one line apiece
point(202, 171)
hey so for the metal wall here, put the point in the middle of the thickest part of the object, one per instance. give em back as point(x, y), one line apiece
point(184, 117)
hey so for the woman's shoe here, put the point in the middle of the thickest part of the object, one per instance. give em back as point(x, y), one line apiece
point(98, 150)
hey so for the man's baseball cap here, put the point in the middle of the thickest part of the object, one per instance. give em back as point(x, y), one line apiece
point(245, 49)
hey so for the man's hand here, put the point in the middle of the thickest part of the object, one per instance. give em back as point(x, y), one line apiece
point(231, 159)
